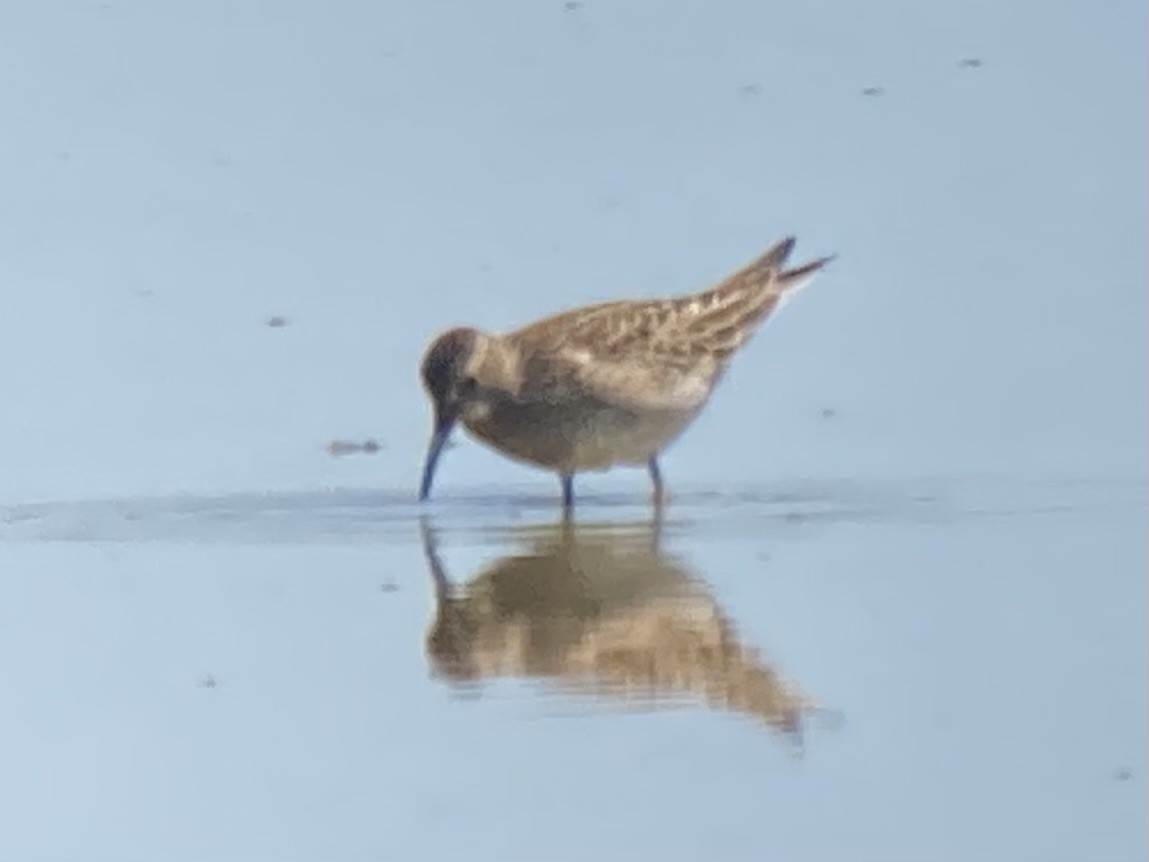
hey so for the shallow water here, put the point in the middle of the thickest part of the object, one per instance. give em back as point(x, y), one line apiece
point(852, 670)
point(896, 609)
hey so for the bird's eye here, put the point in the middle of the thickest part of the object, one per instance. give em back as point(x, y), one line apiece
point(465, 386)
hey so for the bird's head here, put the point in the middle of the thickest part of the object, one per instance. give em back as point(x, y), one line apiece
point(450, 387)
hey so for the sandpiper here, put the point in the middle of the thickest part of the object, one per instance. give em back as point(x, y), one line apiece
point(612, 383)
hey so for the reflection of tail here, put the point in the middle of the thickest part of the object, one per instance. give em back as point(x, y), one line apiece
point(685, 646)
point(603, 614)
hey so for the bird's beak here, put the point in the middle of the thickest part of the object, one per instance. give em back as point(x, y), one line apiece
point(444, 422)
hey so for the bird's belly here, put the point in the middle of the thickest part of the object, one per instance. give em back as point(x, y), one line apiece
point(576, 438)
point(629, 440)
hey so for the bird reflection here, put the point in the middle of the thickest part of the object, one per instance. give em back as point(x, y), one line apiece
point(600, 610)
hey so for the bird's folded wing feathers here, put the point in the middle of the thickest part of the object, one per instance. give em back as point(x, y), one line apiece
point(624, 354)
point(636, 383)
point(656, 354)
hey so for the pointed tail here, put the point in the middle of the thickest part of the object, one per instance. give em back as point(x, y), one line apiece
point(769, 271)
point(727, 314)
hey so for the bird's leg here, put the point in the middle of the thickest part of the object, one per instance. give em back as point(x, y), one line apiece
point(568, 492)
point(659, 494)
point(443, 587)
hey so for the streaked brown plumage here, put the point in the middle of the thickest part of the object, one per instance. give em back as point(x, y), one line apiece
point(605, 384)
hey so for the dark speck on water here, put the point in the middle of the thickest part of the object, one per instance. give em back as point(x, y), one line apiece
point(828, 413)
point(1123, 774)
point(873, 91)
point(971, 63)
point(207, 681)
point(389, 587)
point(277, 322)
point(572, 6)
point(748, 90)
point(338, 448)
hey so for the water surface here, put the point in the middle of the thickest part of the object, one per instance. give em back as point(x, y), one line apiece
point(857, 671)
point(896, 609)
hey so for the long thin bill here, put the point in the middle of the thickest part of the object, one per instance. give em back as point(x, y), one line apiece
point(434, 450)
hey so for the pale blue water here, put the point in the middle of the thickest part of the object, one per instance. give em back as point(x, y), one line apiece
point(912, 517)
point(855, 671)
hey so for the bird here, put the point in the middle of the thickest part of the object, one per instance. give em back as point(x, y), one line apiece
point(608, 384)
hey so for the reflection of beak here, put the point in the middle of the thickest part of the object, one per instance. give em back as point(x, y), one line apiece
point(444, 422)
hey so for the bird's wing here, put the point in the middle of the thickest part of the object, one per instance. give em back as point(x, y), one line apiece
point(722, 319)
point(659, 353)
point(622, 353)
